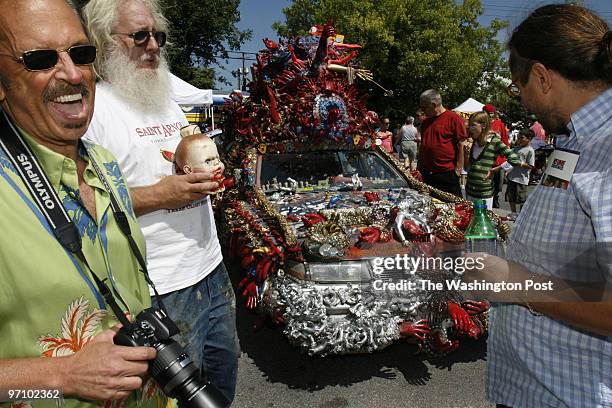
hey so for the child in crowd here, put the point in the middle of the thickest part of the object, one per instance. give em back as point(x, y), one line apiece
point(480, 161)
point(518, 177)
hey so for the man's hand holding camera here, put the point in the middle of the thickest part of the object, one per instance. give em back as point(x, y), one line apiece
point(103, 371)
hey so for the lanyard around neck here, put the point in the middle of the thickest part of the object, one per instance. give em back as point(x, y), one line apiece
point(50, 205)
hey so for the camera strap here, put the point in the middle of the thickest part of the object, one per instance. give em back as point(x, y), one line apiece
point(124, 225)
point(54, 212)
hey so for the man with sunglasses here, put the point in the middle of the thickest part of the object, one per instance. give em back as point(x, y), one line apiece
point(136, 120)
point(553, 348)
point(56, 333)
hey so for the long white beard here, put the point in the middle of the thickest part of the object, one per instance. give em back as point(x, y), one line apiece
point(146, 89)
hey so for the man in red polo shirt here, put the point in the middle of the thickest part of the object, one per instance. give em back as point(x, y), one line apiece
point(441, 153)
point(498, 126)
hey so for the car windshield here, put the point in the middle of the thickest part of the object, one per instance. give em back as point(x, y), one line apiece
point(335, 170)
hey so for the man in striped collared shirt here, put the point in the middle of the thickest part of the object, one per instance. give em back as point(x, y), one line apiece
point(545, 350)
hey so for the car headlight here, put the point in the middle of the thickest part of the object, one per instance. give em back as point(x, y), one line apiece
point(346, 271)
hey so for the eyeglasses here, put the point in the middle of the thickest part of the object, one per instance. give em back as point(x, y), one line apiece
point(43, 60)
point(142, 37)
point(513, 90)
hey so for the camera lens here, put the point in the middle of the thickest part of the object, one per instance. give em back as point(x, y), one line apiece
point(179, 378)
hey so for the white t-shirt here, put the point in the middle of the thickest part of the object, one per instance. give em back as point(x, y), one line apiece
point(182, 244)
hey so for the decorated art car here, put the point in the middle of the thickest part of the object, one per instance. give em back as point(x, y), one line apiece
point(335, 237)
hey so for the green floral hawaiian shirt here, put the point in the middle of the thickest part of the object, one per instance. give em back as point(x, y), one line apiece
point(49, 304)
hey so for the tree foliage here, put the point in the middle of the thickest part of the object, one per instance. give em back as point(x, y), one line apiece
point(413, 45)
point(199, 34)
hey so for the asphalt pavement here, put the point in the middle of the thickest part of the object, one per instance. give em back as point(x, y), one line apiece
point(272, 373)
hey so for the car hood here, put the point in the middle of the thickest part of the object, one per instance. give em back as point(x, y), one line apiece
point(352, 212)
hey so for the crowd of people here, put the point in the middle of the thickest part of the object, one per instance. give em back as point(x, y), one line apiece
point(497, 157)
point(60, 302)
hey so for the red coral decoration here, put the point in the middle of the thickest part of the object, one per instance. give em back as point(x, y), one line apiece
point(293, 95)
point(413, 229)
point(462, 320)
point(417, 175)
point(369, 235)
point(311, 219)
point(464, 213)
point(371, 196)
point(419, 330)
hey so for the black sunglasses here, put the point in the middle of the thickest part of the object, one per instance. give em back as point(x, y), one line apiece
point(142, 37)
point(43, 60)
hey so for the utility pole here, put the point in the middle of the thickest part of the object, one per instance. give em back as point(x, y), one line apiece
point(245, 72)
point(237, 73)
point(243, 88)
point(241, 73)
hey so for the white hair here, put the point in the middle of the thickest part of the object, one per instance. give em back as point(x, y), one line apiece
point(145, 89)
point(101, 17)
point(431, 96)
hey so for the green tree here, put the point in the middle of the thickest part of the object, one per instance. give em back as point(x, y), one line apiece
point(494, 92)
point(411, 46)
point(200, 33)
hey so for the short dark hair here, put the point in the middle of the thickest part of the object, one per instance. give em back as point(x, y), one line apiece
point(567, 38)
point(528, 133)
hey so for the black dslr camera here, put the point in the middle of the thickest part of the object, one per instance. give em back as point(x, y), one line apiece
point(172, 369)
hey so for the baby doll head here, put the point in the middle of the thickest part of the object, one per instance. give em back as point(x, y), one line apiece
point(198, 153)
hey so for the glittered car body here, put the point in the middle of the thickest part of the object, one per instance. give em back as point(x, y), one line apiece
point(318, 206)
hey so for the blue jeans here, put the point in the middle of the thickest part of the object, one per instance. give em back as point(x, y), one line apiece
point(206, 315)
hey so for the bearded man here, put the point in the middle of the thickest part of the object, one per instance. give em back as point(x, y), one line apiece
point(135, 118)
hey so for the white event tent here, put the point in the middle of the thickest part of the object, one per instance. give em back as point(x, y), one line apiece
point(468, 107)
point(186, 94)
point(195, 102)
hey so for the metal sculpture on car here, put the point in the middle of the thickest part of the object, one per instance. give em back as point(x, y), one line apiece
point(316, 203)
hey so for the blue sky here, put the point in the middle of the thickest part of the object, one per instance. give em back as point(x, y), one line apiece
point(259, 15)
